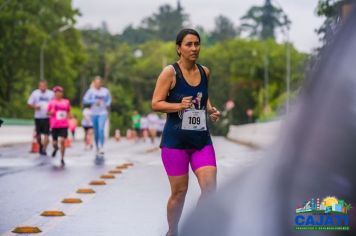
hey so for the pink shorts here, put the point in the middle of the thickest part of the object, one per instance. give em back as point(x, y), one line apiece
point(176, 161)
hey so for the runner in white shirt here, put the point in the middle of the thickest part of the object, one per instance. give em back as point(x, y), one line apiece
point(87, 125)
point(161, 124)
point(38, 101)
point(144, 127)
point(153, 122)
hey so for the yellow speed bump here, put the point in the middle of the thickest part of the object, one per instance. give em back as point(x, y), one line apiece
point(115, 171)
point(107, 177)
point(121, 167)
point(97, 182)
point(52, 213)
point(72, 200)
point(85, 190)
point(27, 230)
point(152, 149)
point(128, 164)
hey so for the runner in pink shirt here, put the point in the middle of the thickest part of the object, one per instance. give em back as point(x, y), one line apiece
point(59, 111)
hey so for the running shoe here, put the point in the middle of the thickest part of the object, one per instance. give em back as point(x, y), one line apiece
point(43, 153)
point(54, 152)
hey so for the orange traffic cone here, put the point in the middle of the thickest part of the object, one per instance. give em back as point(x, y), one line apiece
point(67, 143)
point(117, 135)
point(35, 147)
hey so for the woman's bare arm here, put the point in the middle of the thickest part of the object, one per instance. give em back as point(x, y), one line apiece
point(163, 85)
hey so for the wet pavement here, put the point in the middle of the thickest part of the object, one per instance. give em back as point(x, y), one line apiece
point(133, 203)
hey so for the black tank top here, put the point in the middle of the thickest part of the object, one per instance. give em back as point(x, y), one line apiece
point(173, 135)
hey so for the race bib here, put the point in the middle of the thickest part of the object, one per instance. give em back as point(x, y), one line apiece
point(61, 115)
point(194, 120)
point(44, 106)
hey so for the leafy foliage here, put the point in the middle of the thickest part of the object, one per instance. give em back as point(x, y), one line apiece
point(131, 62)
point(162, 25)
point(224, 29)
point(262, 21)
point(25, 26)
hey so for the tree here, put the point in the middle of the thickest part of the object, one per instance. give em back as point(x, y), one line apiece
point(25, 26)
point(162, 25)
point(136, 35)
point(74, 57)
point(167, 22)
point(237, 70)
point(224, 29)
point(262, 21)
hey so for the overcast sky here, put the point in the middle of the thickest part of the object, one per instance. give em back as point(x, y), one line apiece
point(120, 13)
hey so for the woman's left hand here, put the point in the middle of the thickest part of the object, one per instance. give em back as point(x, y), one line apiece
point(214, 114)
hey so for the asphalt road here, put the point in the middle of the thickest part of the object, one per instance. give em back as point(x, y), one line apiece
point(134, 203)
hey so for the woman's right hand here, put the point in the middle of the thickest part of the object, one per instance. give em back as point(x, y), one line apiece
point(186, 102)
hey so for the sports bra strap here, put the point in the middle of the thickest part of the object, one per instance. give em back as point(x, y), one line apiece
point(177, 70)
point(180, 74)
point(202, 72)
point(201, 69)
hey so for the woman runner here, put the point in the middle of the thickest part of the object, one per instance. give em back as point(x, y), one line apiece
point(182, 92)
point(59, 111)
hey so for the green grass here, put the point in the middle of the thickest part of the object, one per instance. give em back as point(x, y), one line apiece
point(15, 121)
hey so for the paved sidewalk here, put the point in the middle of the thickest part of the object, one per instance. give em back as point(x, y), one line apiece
point(256, 135)
point(15, 134)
